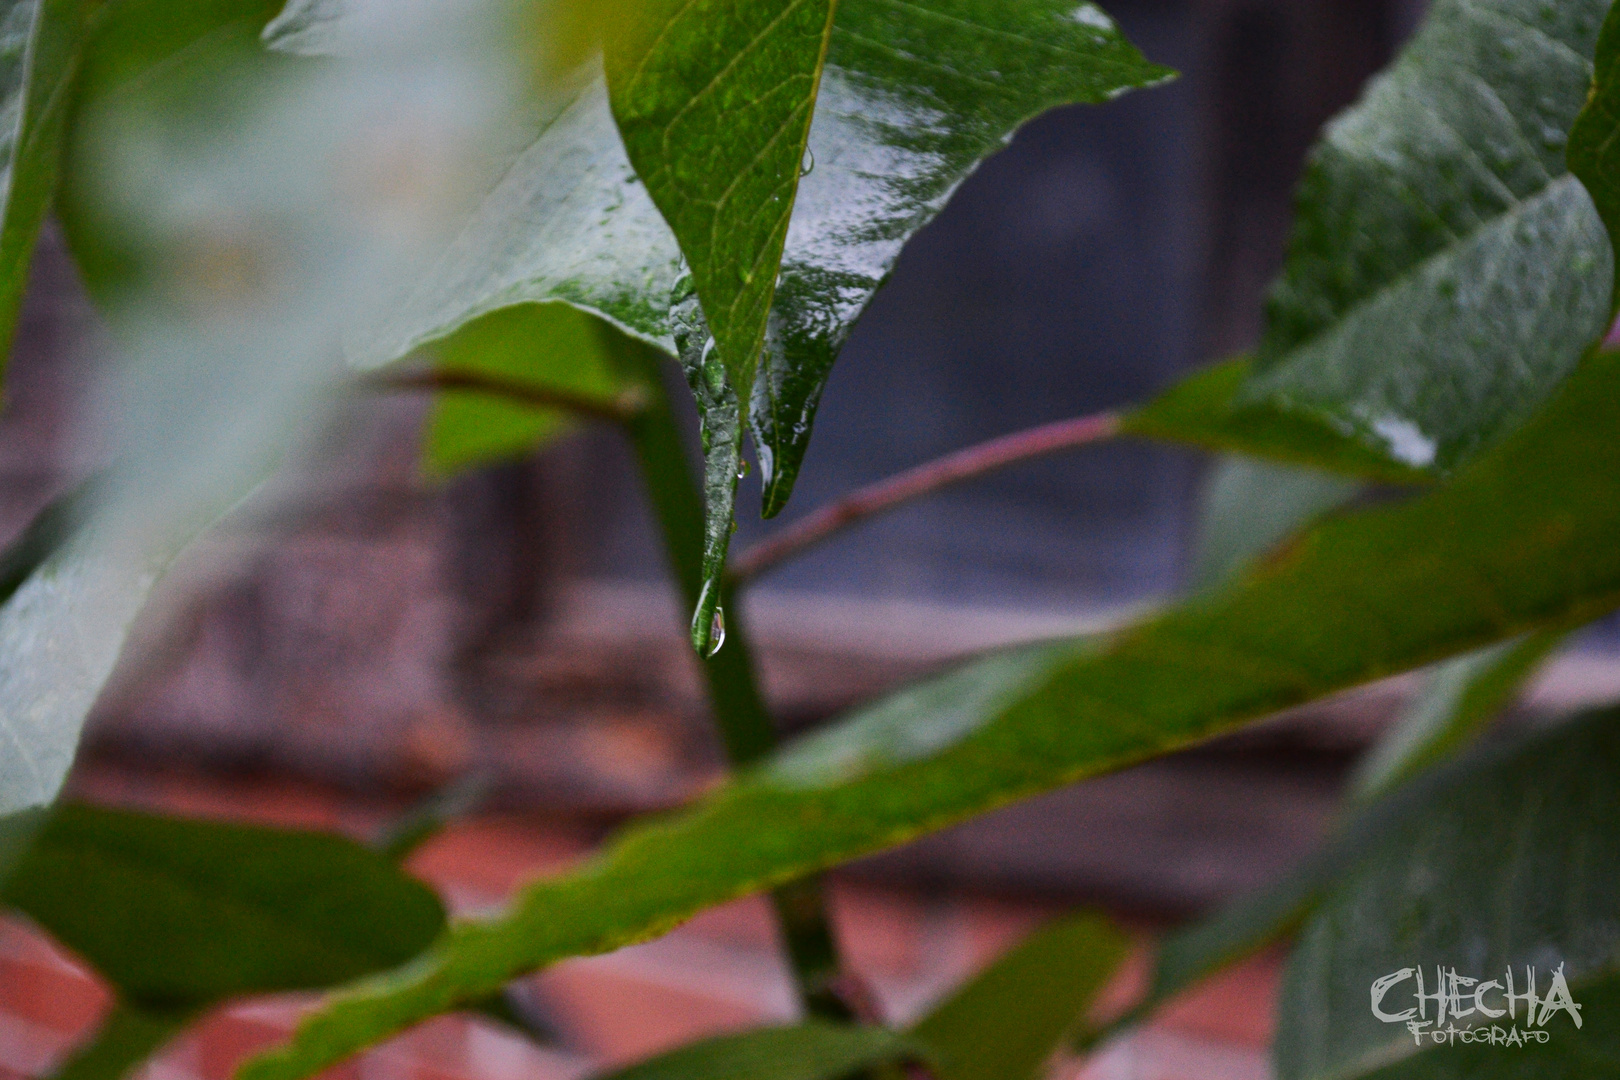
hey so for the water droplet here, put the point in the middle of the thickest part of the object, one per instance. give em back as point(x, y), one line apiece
point(708, 628)
point(742, 468)
point(717, 632)
point(808, 163)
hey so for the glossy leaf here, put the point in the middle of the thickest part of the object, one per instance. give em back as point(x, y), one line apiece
point(1446, 272)
point(915, 95)
point(1594, 141)
point(1207, 409)
point(1010, 1018)
point(721, 432)
point(548, 346)
point(40, 43)
point(1250, 506)
point(713, 100)
point(1526, 538)
point(894, 134)
point(810, 1051)
point(1459, 700)
point(1524, 839)
point(178, 912)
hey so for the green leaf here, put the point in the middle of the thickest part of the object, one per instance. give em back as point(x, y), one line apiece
point(1250, 506)
point(1510, 860)
point(721, 432)
point(915, 95)
point(178, 912)
point(1207, 410)
point(1461, 698)
point(1446, 272)
point(548, 346)
point(40, 42)
point(713, 99)
point(1594, 149)
point(1528, 537)
point(1009, 1019)
point(895, 132)
point(811, 1051)
point(128, 1035)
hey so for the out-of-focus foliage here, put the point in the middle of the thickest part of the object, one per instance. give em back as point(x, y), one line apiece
point(40, 43)
point(1007, 1021)
point(546, 346)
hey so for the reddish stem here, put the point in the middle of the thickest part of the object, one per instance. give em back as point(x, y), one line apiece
point(931, 476)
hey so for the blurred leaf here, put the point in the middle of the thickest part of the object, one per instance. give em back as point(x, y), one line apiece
point(128, 1035)
point(48, 530)
point(1010, 1018)
point(1508, 860)
point(549, 346)
point(1460, 699)
point(713, 100)
point(1250, 506)
point(1446, 272)
point(427, 818)
point(40, 42)
point(178, 912)
point(1528, 537)
point(811, 1051)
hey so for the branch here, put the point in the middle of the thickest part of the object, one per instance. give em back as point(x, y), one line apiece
point(924, 479)
point(619, 410)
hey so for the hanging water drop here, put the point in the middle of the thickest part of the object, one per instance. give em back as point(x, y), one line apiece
point(742, 468)
point(717, 632)
point(808, 163)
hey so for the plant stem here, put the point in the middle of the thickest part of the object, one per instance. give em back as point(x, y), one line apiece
point(739, 708)
point(620, 409)
point(924, 479)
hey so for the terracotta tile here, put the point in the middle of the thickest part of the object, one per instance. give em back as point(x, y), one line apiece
point(1235, 1005)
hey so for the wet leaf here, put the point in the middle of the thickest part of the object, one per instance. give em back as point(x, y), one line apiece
point(1528, 537)
point(894, 134)
point(713, 100)
point(1446, 272)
